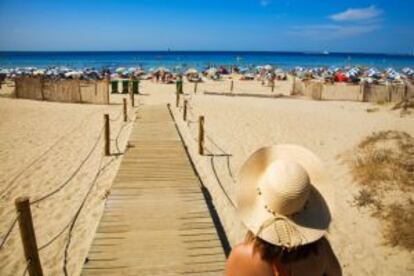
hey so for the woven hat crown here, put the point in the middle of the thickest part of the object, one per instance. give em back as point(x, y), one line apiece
point(285, 187)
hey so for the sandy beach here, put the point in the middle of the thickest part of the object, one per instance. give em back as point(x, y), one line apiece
point(43, 144)
point(240, 125)
point(42, 147)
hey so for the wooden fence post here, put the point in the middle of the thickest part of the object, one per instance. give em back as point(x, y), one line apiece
point(195, 87)
point(28, 237)
point(177, 99)
point(201, 135)
point(42, 87)
point(125, 110)
point(107, 136)
point(273, 86)
point(185, 110)
point(363, 91)
point(16, 89)
point(132, 98)
point(231, 85)
point(405, 93)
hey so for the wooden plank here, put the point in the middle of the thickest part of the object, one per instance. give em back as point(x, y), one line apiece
point(156, 221)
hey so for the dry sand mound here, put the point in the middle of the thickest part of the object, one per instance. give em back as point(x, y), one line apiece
point(383, 166)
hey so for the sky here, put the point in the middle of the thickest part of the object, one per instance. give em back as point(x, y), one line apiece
point(380, 26)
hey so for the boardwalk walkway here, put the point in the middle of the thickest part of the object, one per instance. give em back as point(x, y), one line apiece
point(156, 221)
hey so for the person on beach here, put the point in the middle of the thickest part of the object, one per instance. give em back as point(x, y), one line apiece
point(280, 202)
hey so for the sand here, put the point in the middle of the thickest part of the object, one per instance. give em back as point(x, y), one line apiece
point(241, 125)
point(42, 144)
point(237, 125)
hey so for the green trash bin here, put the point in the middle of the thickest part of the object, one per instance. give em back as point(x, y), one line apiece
point(179, 86)
point(114, 86)
point(135, 86)
point(125, 87)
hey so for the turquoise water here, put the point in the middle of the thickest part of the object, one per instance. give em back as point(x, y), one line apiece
point(285, 60)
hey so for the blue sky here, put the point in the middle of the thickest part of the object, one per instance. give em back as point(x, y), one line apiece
point(271, 25)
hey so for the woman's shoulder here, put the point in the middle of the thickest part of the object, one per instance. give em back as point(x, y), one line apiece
point(244, 260)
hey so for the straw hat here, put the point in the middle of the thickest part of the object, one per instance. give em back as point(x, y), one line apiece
point(280, 197)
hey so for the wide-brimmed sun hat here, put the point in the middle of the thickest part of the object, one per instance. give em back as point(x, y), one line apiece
point(280, 196)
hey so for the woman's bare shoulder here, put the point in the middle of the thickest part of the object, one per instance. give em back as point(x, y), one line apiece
point(245, 261)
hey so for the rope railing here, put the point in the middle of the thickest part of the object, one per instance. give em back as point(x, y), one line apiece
point(74, 173)
point(117, 117)
point(26, 269)
point(52, 240)
point(77, 214)
point(210, 153)
point(9, 231)
point(43, 154)
point(69, 227)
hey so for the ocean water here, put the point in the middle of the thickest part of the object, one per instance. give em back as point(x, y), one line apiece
point(172, 59)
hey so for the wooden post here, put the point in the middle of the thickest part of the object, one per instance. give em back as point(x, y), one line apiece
point(231, 85)
point(363, 91)
point(273, 86)
point(125, 110)
point(42, 88)
point(293, 85)
point(28, 236)
point(195, 87)
point(185, 111)
point(107, 136)
point(201, 135)
point(405, 94)
point(16, 90)
point(132, 98)
point(177, 99)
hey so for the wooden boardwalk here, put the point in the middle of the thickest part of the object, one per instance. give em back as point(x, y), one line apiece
point(156, 221)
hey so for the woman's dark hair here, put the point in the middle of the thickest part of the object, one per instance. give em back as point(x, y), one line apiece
point(270, 252)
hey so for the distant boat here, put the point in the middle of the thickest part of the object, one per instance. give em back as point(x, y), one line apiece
point(325, 52)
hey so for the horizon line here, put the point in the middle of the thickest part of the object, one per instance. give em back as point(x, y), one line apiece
point(209, 51)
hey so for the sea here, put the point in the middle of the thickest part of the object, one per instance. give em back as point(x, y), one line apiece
point(200, 59)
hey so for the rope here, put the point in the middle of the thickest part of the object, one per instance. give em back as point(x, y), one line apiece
point(118, 136)
point(212, 159)
point(73, 174)
point(229, 170)
point(215, 144)
point(219, 182)
point(116, 118)
point(10, 184)
point(27, 268)
point(9, 231)
point(55, 237)
point(73, 223)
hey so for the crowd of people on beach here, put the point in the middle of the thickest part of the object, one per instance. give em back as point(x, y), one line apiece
point(355, 75)
point(264, 73)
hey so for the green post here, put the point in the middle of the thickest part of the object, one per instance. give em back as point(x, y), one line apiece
point(125, 88)
point(114, 86)
point(135, 86)
point(180, 86)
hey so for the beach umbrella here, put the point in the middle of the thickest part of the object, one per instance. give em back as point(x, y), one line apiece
point(162, 69)
point(38, 73)
point(4, 71)
point(268, 67)
point(120, 70)
point(73, 74)
point(191, 71)
point(212, 71)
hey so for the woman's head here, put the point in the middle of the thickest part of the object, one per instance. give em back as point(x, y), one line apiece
point(279, 198)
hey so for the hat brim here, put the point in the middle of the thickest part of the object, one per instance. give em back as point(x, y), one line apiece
point(305, 227)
